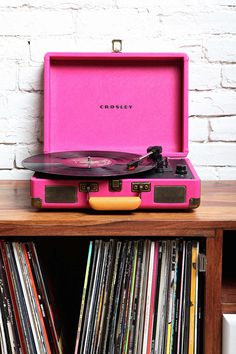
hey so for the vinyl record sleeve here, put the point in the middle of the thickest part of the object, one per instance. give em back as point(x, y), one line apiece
point(177, 301)
point(20, 299)
point(186, 298)
point(108, 294)
point(30, 298)
point(49, 308)
point(164, 315)
point(103, 295)
point(5, 321)
point(40, 316)
point(117, 299)
point(88, 301)
point(13, 297)
point(136, 301)
point(85, 289)
point(33, 300)
point(157, 291)
point(153, 296)
point(141, 312)
point(94, 300)
point(3, 342)
point(148, 297)
point(161, 312)
point(171, 292)
point(45, 317)
point(131, 297)
point(107, 329)
point(99, 302)
point(192, 309)
point(5, 335)
point(196, 301)
point(174, 303)
point(123, 301)
point(15, 346)
point(200, 307)
point(181, 301)
point(27, 298)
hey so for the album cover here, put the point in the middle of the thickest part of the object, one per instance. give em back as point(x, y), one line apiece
point(29, 300)
point(116, 258)
point(13, 298)
point(107, 294)
point(141, 333)
point(171, 294)
point(50, 305)
point(94, 299)
point(154, 328)
point(130, 302)
point(96, 255)
point(186, 298)
point(163, 294)
point(148, 296)
point(178, 296)
point(196, 300)
point(153, 296)
point(123, 299)
point(97, 328)
point(81, 316)
point(40, 298)
point(10, 340)
point(24, 316)
point(117, 297)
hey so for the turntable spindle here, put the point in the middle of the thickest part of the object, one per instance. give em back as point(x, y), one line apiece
point(89, 162)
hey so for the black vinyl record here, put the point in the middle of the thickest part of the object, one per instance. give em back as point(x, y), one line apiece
point(87, 163)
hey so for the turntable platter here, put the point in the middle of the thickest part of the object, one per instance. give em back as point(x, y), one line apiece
point(86, 163)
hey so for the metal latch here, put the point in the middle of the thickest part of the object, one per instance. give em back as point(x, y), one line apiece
point(117, 45)
point(87, 187)
point(140, 187)
point(115, 185)
point(202, 262)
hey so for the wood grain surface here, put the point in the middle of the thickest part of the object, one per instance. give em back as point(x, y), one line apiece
point(213, 281)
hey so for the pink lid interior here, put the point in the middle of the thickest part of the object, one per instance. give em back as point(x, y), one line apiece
point(82, 92)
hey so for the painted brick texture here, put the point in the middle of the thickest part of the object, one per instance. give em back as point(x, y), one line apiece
point(205, 30)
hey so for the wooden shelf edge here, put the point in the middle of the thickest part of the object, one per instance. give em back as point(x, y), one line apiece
point(114, 229)
point(229, 307)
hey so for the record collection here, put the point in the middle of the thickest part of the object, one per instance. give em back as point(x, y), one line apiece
point(141, 297)
point(26, 317)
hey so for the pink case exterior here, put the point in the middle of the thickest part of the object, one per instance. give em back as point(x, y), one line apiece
point(116, 102)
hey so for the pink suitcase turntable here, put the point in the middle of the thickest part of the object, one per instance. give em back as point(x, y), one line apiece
point(115, 133)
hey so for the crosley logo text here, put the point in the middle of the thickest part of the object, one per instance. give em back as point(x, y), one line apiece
point(116, 106)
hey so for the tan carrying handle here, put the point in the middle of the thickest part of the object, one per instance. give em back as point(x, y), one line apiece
point(114, 203)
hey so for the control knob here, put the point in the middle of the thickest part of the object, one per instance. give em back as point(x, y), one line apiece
point(181, 170)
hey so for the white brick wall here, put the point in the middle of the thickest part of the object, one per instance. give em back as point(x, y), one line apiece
point(205, 30)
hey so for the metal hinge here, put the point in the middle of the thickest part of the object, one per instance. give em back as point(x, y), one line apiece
point(202, 262)
point(116, 45)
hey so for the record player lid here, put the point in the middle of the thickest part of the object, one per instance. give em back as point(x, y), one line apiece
point(116, 102)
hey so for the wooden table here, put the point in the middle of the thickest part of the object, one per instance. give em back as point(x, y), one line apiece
point(216, 214)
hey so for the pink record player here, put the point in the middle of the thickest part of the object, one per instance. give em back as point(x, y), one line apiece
point(115, 133)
